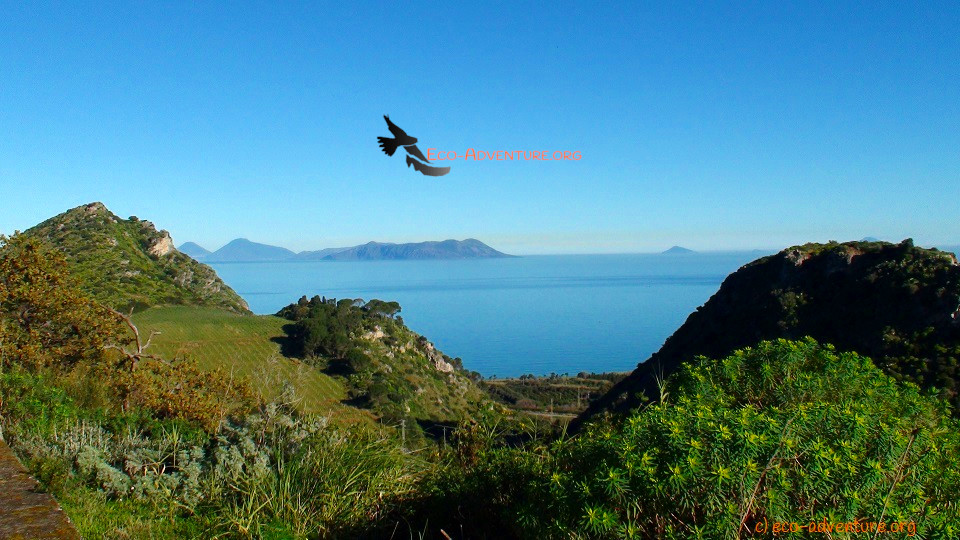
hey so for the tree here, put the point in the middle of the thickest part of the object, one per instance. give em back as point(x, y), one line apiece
point(381, 308)
point(45, 320)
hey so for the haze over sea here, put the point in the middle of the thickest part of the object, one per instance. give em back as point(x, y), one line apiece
point(506, 317)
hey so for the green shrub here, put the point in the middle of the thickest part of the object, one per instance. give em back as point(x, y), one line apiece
point(180, 389)
point(783, 432)
point(45, 320)
point(28, 400)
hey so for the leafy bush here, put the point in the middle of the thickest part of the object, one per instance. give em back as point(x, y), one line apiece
point(180, 389)
point(35, 405)
point(45, 321)
point(786, 431)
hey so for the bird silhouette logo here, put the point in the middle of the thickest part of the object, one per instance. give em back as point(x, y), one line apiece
point(400, 138)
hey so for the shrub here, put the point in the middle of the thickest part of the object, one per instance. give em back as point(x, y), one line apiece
point(180, 389)
point(44, 318)
point(782, 432)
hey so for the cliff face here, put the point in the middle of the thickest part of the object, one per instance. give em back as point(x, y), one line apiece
point(896, 303)
point(129, 263)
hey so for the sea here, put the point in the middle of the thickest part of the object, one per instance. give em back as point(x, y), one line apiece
point(538, 315)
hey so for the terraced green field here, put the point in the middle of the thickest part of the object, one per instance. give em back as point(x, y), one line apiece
point(244, 345)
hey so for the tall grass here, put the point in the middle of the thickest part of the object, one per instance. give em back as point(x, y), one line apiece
point(334, 482)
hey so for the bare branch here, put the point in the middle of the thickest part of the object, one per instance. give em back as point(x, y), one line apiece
point(135, 357)
point(149, 339)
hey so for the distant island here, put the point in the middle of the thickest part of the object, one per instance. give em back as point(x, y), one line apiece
point(196, 251)
point(243, 250)
point(677, 250)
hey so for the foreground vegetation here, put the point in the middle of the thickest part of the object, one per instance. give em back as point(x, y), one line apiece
point(134, 445)
point(788, 431)
point(269, 473)
point(139, 445)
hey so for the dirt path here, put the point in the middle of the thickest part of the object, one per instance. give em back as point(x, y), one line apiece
point(25, 513)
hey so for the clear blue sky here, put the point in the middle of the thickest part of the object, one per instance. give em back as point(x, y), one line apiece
point(713, 126)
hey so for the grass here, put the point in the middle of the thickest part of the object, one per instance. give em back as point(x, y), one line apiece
point(97, 517)
point(244, 345)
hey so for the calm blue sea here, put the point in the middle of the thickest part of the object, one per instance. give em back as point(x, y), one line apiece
point(507, 317)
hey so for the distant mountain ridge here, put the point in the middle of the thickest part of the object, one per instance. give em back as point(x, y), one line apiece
point(128, 263)
point(243, 250)
point(678, 250)
point(447, 249)
point(319, 254)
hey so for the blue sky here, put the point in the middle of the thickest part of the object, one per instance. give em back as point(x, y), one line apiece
point(709, 125)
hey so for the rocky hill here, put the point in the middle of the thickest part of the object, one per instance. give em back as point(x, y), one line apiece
point(128, 263)
point(897, 303)
point(387, 368)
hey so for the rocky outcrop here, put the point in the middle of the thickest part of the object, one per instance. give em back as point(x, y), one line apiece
point(161, 245)
point(376, 333)
point(438, 359)
point(94, 208)
point(896, 303)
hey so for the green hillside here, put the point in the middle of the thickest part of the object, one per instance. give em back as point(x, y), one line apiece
point(897, 303)
point(246, 345)
point(127, 263)
point(387, 368)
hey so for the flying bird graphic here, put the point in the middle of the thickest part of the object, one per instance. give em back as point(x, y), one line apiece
point(401, 138)
point(427, 169)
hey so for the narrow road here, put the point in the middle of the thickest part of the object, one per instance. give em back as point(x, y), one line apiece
point(26, 513)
